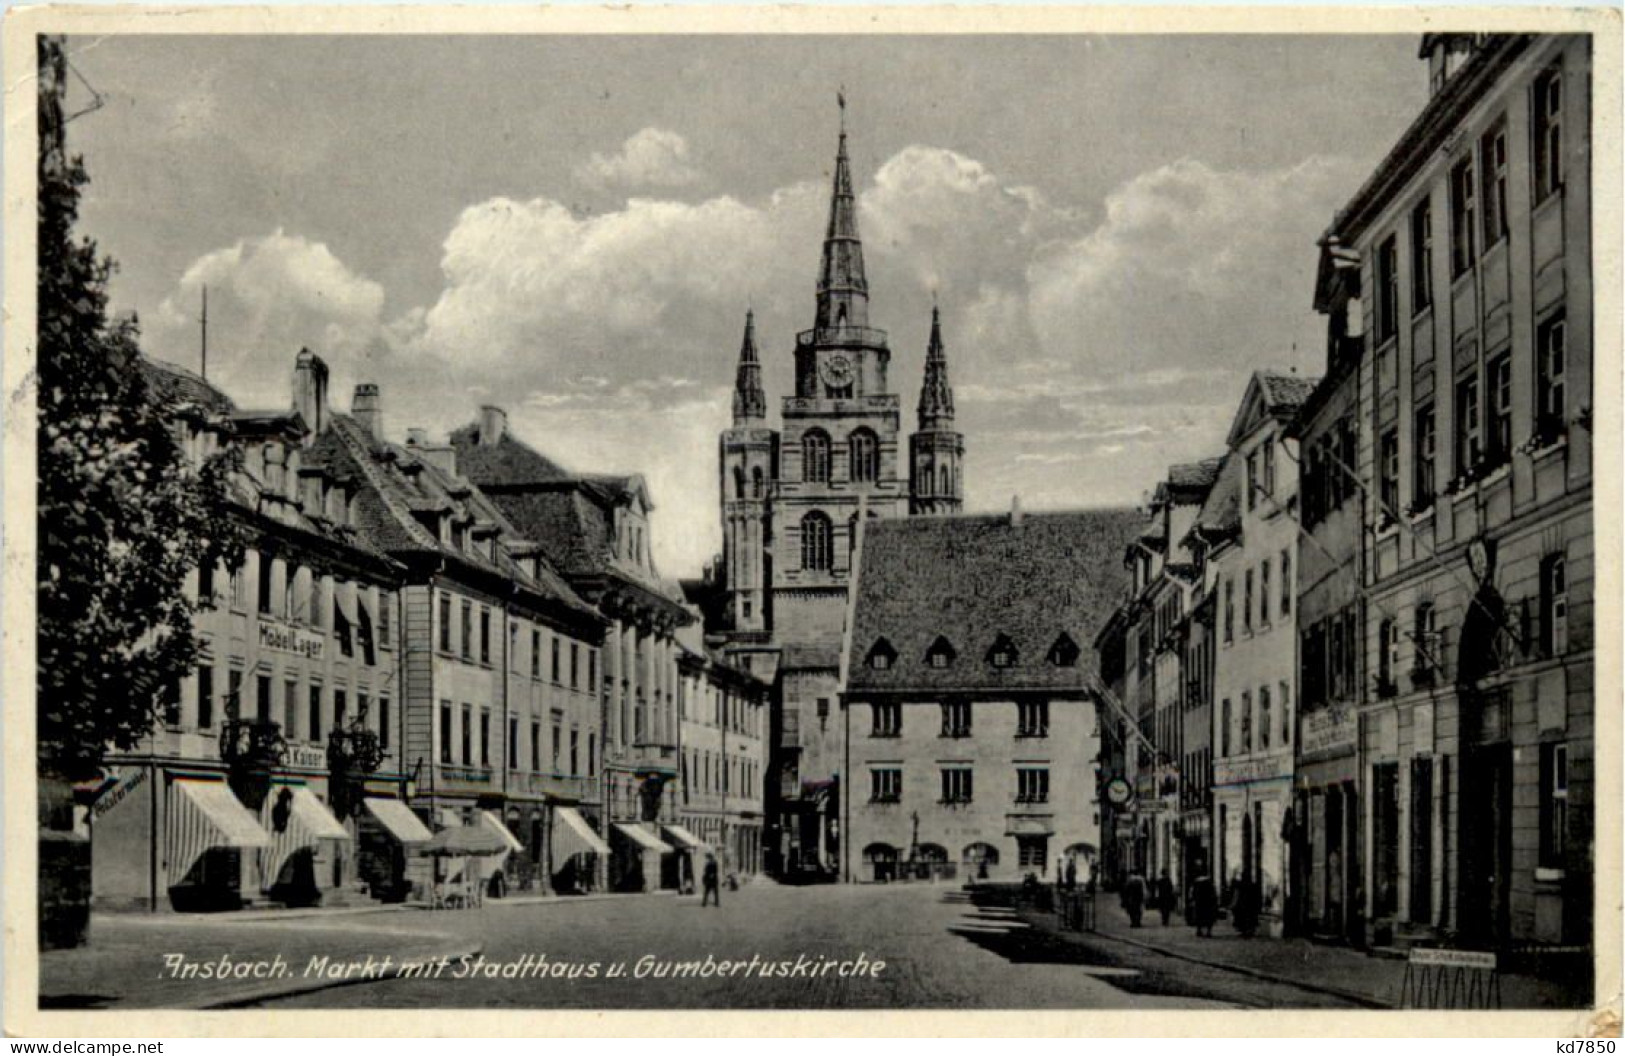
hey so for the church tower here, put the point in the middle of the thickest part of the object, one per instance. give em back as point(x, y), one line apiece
point(747, 478)
point(937, 450)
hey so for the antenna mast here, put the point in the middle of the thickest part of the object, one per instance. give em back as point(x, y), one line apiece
point(203, 326)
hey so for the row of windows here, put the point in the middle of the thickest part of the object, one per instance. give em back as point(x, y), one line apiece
point(862, 456)
point(1032, 718)
point(711, 773)
point(470, 638)
point(941, 654)
point(469, 744)
point(302, 596)
point(958, 784)
point(303, 711)
point(1259, 727)
point(1265, 591)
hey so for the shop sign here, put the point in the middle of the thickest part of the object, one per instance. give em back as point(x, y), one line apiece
point(127, 783)
point(282, 638)
point(1247, 771)
point(307, 758)
point(1481, 960)
point(1328, 731)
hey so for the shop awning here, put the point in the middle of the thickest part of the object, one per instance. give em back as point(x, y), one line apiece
point(494, 823)
point(203, 815)
point(643, 839)
point(685, 839)
point(296, 819)
point(398, 818)
point(449, 818)
point(572, 836)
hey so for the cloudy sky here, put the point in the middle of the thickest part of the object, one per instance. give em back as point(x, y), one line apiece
point(1118, 229)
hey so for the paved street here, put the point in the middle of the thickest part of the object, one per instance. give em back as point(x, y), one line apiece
point(940, 950)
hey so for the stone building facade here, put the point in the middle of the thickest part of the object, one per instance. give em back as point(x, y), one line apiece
point(1473, 374)
point(722, 758)
point(971, 730)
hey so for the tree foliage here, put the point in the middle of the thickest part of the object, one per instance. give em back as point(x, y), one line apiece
point(124, 512)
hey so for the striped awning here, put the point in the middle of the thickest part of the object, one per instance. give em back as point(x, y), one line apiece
point(296, 820)
point(201, 816)
point(685, 839)
point(572, 836)
point(643, 838)
point(398, 818)
point(494, 823)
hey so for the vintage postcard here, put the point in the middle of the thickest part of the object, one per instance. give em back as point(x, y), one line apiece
point(1081, 519)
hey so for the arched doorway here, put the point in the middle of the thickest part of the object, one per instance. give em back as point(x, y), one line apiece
point(980, 860)
point(880, 862)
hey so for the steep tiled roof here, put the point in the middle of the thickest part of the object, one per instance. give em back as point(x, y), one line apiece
point(397, 482)
point(508, 461)
point(1194, 474)
point(971, 579)
point(176, 385)
point(1284, 393)
point(1220, 515)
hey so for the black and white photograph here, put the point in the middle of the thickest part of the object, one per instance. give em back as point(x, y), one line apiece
point(792, 518)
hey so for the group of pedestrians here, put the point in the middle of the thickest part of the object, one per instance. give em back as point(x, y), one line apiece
point(1202, 903)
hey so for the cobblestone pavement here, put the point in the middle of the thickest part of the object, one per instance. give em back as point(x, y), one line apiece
point(939, 948)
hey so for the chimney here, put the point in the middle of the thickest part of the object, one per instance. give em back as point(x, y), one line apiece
point(310, 391)
point(1015, 511)
point(367, 409)
point(493, 424)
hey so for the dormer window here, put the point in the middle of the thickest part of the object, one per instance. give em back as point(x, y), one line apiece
point(941, 654)
point(1065, 652)
point(881, 655)
point(1003, 652)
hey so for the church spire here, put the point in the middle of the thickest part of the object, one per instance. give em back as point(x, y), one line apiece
point(843, 292)
point(750, 402)
point(936, 396)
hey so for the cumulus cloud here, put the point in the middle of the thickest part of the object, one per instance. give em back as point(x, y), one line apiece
point(1089, 349)
point(268, 297)
point(651, 157)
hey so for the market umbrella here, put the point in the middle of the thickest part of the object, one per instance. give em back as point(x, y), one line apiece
point(466, 840)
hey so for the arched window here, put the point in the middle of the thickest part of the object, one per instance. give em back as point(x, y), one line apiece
point(756, 483)
point(816, 541)
point(863, 450)
point(739, 483)
point(815, 456)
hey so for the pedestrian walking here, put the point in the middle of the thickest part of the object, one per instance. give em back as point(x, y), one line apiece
point(1204, 906)
point(1165, 897)
point(713, 890)
point(1134, 898)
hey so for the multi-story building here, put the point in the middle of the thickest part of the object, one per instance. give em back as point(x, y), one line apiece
point(792, 499)
point(234, 797)
point(1466, 259)
point(722, 757)
point(594, 530)
point(1251, 551)
point(1165, 585)
point(968, 715)
point(1119, 753)
point(497, 684)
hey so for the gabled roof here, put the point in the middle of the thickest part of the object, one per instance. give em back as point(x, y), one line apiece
point(1270, 395)
point(970, 579)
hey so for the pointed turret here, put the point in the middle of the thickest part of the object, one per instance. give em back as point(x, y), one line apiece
point(937, 450)
point(843, 292)
point(750, 402)
point(936, 395)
